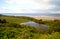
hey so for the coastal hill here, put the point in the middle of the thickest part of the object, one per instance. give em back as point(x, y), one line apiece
point(10, 28)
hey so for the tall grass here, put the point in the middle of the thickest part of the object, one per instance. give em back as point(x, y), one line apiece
point(10, 28)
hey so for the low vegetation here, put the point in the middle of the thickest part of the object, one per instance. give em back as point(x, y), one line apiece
point(10, 28)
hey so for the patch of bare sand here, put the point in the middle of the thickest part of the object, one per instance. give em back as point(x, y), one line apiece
point(45, 17)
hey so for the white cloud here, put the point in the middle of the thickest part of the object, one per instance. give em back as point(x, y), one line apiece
point(31, 4)
point(26, 6)
point(15, 10)
point(2, 8)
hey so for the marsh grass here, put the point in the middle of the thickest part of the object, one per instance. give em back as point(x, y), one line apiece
point(11, 29)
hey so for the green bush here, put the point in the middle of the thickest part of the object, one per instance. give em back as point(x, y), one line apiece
point(3, 21)
point(11, 29)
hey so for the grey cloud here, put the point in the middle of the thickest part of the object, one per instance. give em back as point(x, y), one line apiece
point(57, 5)
point(55, 2)
point(56, 9)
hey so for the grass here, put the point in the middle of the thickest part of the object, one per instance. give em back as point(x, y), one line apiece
point(17, 20)
point(55, 35)
point(11, 29)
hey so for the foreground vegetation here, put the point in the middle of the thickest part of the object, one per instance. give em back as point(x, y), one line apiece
point(10, 28)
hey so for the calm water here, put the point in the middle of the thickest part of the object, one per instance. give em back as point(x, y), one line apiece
point(36, 25)
point(27, 14)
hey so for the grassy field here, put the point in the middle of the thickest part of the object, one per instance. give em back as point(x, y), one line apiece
point(10, 28)
point(12, 19)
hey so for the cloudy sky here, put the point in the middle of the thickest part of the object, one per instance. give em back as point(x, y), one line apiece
point(29, 6)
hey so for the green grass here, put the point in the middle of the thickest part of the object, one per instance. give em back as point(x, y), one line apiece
point(24, 32)
point(15, 31)
point(12, 19)
point(11, 29)
point(55, 35)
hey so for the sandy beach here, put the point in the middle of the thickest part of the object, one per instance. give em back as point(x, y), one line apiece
point(45, 17)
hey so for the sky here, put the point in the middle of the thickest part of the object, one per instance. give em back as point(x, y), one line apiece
point(29, 6)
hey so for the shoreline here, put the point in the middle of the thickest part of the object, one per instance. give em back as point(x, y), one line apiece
point(45, 17)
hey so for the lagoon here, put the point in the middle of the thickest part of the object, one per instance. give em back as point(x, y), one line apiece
point(36, 25)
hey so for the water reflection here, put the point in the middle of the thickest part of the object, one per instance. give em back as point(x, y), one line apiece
point(36, 25)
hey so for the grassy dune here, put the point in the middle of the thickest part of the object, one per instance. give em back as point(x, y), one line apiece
point(12, 19)
point(10, 28)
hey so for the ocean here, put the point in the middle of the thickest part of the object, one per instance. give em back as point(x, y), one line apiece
point(27, 14)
